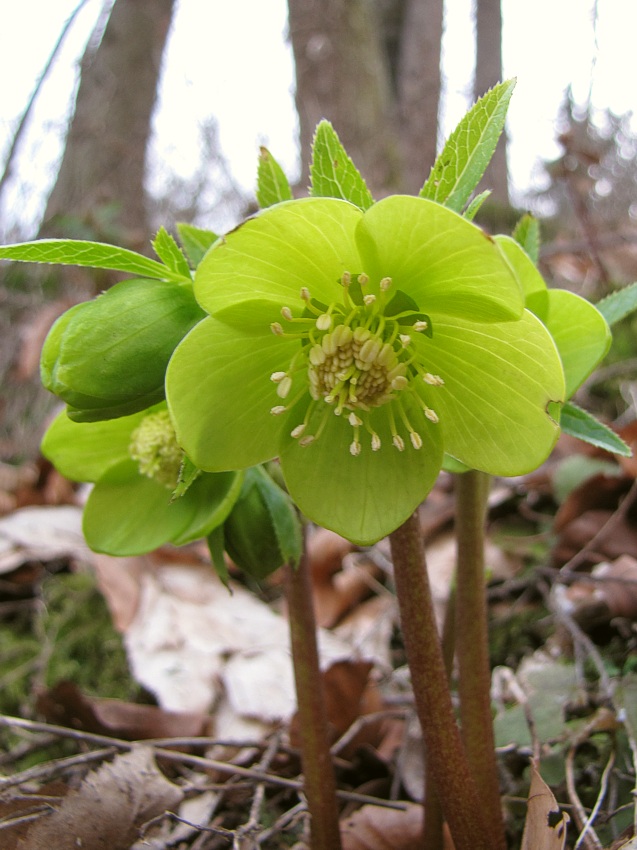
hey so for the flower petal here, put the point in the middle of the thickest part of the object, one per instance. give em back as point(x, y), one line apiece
point(83, 451)
point(129, 514)
point(580, 333)
point(499, 379)
point(307, 242)
point(445, 263)
point(362, 498)
point(220, 394)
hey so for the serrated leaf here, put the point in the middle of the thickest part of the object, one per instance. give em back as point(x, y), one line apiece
point(285, 520)
point(583, 425)
point(195, 241)
point(333, 173)
point(465, 156)
point(474, 207)
point(272, 184)
point(618, 305)
point(95, 255)
point(170, 253)
point(527, 234)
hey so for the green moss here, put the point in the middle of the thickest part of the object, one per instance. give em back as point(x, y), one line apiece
point(66, 633)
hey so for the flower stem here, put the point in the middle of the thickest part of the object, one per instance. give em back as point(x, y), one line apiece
point(455, 787)
point(472, 646)
point(318, 772)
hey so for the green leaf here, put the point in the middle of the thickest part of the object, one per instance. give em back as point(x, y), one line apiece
point(272, 184)
point(465, 156)
point(583, 425)
point(195, 241)
point(474, 206)
point(170, 253)
point(618, 305)
point(95, 255)
point(333, 173)
point(527, 234)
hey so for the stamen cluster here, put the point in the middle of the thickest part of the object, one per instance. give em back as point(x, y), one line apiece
point(154, 447)
point(355, 359)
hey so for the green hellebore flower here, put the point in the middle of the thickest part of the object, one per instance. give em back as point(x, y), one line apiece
point(107, 357)
point(358, 347)
point(134, 463)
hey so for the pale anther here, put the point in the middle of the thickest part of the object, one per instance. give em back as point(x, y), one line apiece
point(375, 442)
point(296, 432)
point(277, 377)
point(387, 356)
point(363, 279)
point(317, 355)
point(285, 385)
point(276, 329)
point(346, 279)
point(405, 340)
point(416, 439)
point(431, 415)
point(385, 283)
point(305, 293)
point(355, 448)
point(434, 380)
point(420, 325)
point(286, 313)
point(398, 441)
point(342, 335)
point(354, 420)
point(324, 322)
point(400, 382)
point(305, 441)
point(369, 300)
point(370, 350)
point(278, 410)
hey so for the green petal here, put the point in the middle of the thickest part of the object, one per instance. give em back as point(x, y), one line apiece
point(308, 242)
point(445, 263)
point(580, 333)
point(129, 514)
point(532, 282)
point(220, 394)
point(84, 451)
point(362, 498)
point(499, 379)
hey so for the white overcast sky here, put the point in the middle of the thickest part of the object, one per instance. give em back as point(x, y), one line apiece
point(231, 60)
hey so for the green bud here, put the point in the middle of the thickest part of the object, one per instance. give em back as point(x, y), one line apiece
point(107, 357)
point(263, 531)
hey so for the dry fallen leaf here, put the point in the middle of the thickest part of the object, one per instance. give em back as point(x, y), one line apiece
point(41, 534)
point(545, 826)
point(65, 705)
point(108, 809)
point(612, 593)
point(378, 828)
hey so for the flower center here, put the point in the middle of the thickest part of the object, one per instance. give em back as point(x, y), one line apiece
point(154, 447)
point(357, 354)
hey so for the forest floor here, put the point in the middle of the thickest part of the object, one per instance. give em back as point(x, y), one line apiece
point(143, 705)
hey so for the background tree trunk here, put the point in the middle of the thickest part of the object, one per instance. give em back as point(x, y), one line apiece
point(99, 190)
point(488, 73)
point(372, 67)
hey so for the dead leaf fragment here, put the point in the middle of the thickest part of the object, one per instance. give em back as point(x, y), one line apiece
point(545, 826)
point(108, 809)
point(378, 828)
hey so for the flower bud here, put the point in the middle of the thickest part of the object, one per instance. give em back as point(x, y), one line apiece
point(107, 357)
point(263, 531)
